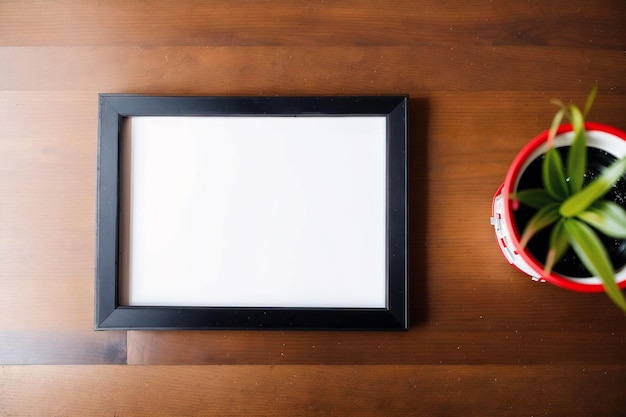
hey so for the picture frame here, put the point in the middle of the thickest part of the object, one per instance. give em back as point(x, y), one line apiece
point(252, 213)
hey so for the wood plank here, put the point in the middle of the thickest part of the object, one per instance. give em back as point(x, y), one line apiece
point(426, 345)
point(448, 306)
point(48, 160)
point(292, 70)
point(47, 231)
point(217, 23)
point(552, 390)
point(61, 346)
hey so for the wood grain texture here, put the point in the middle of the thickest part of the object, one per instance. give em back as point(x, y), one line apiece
point(307, 70)
point(571, 390)
point(314, 23)
point(484, 340)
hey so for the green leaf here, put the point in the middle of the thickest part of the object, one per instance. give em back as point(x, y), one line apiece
point(577, 156)
point(593, 255)
point(542, 219)
point(556, 121)
point(606, 216)
point(590, 98)
point(578, 121)
point(579, 202)
point(559, 243)
point(553, 176)
point(535, 198)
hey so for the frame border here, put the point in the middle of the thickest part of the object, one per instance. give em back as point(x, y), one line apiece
point(110, 315)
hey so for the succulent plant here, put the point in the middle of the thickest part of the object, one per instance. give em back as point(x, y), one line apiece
point(576, 212)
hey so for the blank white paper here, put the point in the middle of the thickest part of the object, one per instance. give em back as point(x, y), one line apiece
point(257, 211)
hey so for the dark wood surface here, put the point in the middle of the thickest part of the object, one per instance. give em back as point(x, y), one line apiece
point(484, 339)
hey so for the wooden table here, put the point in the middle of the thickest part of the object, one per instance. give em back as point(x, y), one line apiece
point(484, 339)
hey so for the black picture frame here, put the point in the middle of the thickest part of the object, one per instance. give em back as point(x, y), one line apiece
point(111, 314)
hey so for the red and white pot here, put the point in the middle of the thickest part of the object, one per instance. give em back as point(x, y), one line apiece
point(600, 136)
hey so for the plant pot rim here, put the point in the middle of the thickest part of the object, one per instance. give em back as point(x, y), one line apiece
point(510, 182)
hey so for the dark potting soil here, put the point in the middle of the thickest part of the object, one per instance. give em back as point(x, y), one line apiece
point(569, 265)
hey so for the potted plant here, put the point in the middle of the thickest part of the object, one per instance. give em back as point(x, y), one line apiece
point(560, 214)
